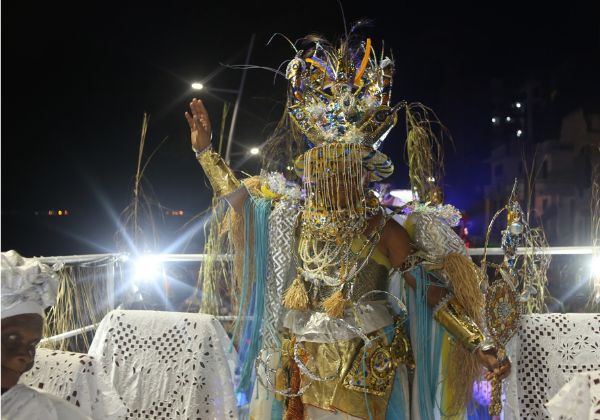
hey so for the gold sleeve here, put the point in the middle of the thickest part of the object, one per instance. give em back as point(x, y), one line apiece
point(219, 174)
point(457, 323)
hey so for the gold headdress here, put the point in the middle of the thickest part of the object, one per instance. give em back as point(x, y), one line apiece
point(342, 96)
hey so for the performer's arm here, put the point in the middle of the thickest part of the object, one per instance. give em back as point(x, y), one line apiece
point(448, 311)
point(221, 177)
point(396, 241)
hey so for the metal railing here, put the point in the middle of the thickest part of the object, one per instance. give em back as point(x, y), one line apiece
point(73, 259)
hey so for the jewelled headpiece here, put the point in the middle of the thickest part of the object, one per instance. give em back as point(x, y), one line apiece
point(342, 96)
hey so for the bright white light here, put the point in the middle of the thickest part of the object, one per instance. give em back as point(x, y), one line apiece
point(147, 268)
point(431, 179)
point(494, 120)
point(508, 119)
point(595, 266)
point(519, 133)
point(197, 86)
point(254, 151)
point(518, 104)
point(403, 195)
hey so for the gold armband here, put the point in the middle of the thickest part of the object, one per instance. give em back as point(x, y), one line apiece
point(219, 174)
point(457, 323)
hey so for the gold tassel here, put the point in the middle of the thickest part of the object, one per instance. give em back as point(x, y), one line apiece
point(296, 296)
point(335, 304)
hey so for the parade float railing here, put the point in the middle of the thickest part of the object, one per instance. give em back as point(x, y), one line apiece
point(109, 272)
point(556, 250)
point(114, 260)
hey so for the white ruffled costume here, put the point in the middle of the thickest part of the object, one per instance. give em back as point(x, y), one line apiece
point(23, 402)
point(29, 287)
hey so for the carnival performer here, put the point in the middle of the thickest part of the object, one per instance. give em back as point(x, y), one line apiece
point(28, 287)
point(314, 251)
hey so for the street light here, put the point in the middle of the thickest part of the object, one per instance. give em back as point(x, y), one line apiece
point(254, 151)
point(595, 266)
point(148, 267)
point(200, 86)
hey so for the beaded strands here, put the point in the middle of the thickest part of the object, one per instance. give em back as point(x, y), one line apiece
point(334, 216)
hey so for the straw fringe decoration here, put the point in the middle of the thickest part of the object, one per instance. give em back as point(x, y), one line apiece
point(425, 134)
point(464, 367)
point(138, 231)
point(84, 294)
point(214, 268)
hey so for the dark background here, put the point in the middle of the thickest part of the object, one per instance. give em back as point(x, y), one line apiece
point(77, 79)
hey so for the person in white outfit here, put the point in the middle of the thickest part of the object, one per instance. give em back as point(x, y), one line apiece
point(28, 287)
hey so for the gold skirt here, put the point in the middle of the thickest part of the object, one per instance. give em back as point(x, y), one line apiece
point(363, 376)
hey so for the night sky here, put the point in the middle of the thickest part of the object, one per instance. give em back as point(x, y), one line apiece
point(76, 81)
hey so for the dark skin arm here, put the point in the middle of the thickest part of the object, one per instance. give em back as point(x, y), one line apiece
point(200, 133)
point(395, 244)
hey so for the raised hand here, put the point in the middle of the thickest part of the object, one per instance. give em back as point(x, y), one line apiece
point(199, 123)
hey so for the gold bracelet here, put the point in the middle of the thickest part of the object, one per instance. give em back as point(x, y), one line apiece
point(219, 174)
point(450, 314)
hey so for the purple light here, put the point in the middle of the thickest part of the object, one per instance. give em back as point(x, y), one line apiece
point(482, 392)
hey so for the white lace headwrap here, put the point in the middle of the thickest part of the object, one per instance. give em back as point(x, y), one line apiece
point(28, 286)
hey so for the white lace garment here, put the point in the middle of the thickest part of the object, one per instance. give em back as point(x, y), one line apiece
point(579, 399)
point(168, 365)
point(546, 353)
point(78, 379)
point(21, 402)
